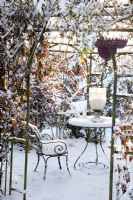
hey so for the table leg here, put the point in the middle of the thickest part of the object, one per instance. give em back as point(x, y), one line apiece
point(81, 154)
point(96, 140)
point(96, 153)
point(102, 148)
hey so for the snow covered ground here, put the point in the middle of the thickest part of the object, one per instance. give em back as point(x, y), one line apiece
point(84, 184)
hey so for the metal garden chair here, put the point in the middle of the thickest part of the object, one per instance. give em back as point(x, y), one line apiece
point(46, 147)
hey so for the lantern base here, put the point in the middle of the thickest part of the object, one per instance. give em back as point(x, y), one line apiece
point(97, 117)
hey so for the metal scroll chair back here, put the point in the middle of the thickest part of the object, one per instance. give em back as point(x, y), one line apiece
point(47, 148)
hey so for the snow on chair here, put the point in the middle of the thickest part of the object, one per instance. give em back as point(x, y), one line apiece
point(46, 148)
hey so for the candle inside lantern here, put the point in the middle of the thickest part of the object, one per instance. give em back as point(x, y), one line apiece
point(97, 99)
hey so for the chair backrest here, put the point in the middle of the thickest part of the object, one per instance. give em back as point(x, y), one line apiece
point(44, 144)
point(35, 130)
point(34, 136)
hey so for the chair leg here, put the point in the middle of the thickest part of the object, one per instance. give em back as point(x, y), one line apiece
point(59, 163)
point(38, 159)
point(45, 168)
point(96, 153)
point(67, 164)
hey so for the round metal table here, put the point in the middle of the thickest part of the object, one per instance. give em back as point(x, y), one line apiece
point(98, 128)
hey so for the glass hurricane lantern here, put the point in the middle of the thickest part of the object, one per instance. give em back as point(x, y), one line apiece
point(97, 100)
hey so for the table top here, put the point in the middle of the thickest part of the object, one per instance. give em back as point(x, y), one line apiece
point(85, 121)
point(72, 112)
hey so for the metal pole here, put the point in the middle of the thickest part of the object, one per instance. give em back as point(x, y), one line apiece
point(11, 168)
point(0, 162)
point(6, 174)
point(11, 162)
point(29, 63)
point(113, 124)
point(0, 176)
point(26, 132)
point(88, 82)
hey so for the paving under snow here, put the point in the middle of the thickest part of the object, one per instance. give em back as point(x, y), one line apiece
point(84, 184)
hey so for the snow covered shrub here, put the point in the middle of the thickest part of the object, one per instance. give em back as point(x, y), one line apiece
point(124, 147)
point(123, 180)
point(124, 135)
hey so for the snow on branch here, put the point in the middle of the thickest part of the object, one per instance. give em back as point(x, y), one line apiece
point(68, 91)
point(80, 88)
point(119, 20)
point(15, 52)
point(4, 36)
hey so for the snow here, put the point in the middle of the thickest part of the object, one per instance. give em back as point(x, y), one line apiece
point(62, 5)
point(75, 108)
point(2, 94)
point(79, 106)
point(86, 121)
point(51, 147)
point(125, 94)
point(84, 184)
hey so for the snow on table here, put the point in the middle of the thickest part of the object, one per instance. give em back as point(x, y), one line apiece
point(86, 122)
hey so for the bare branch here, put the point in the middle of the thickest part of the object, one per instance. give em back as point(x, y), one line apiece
point(11, 56)
point(68, 91)
point(109, 13)
point(4, 36)
point(119, 20)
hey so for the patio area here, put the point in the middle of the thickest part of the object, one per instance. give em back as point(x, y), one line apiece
point(85, 183)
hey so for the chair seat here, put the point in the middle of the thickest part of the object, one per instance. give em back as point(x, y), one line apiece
point(53, 147)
